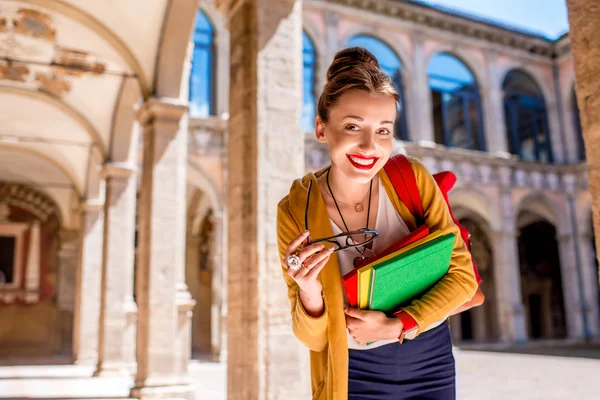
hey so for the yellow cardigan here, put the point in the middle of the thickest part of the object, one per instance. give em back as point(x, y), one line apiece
point(325, 336)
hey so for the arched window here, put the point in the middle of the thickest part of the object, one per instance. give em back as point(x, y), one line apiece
point(202, 93)
point(526, 118)
point(578, 131)
point(309, 103)
point(391, 64)
point(456, 104)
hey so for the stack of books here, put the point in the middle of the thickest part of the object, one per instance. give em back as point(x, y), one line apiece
point(400, 273)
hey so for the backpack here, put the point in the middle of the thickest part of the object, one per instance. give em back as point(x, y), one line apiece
point(403, 180)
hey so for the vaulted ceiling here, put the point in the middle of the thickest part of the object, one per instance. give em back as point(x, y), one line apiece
point(71, 75)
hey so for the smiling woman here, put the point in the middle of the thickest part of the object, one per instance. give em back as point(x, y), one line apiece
point(353, 201)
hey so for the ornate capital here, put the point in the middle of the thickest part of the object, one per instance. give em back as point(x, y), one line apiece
point(68, 236)
point(162, 110)
point(117, 170)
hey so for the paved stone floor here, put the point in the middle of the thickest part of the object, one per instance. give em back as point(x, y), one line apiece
point(567, 374)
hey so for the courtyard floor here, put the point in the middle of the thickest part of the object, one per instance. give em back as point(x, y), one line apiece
point(569, 373)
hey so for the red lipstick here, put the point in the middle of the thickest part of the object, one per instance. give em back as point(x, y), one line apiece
point(362, 162)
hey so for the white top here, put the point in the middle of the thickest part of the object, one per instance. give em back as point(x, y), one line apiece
point(388, 220)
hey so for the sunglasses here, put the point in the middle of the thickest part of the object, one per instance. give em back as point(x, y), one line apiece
point(352, 239)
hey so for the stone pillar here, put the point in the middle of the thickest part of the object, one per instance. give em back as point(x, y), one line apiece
point(32, 271)
point(266, 153)
point(478, 316)
point(192, 279)
point(219, 286)
point(507, 277)
point(420, 123)
point(493, 108)
point(164, 303)
point(332, 20)
point(509, 302)
point(116, 332)
point(585, 47)
point(87, 298)
point(67, 285)
point(590, 282)
point(555, 129)
point(570, 286)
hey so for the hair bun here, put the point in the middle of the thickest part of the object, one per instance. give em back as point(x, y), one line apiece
point(346, 59)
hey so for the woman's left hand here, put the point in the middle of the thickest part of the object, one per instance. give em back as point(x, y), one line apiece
point(369, 326)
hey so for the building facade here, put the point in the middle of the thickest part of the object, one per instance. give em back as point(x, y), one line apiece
point(140, 167)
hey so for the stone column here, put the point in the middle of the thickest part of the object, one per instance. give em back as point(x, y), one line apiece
point(555, 129)
point(192, 279)
point(493, 108)
point(507, 277)
point(585, 47)
point(420, 123)
point(32, 270)
point(115, 355)
point(478, 316)
point(266, 153)
point(509, 302)
point(332, 20)
point(164, 303)
point(590, 281)
point(87, 298)
point(67, 285)
point(570, 286)
point(219, 286)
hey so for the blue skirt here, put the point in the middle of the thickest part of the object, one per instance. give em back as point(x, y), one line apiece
point(422, 368)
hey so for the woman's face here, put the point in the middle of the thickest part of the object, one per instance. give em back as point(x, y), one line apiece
point(359, 133)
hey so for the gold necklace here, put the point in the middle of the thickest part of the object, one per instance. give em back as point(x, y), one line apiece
point(358, 207)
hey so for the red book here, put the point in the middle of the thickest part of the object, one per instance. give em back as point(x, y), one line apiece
point(350, 280)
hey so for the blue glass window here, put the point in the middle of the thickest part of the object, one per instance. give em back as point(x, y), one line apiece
point(457, 120)
point(390, 63)
point(578, 131)
point(202, 96)
point(526, 118)
point(309, 104)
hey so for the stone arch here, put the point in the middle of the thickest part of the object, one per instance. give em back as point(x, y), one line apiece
point(204, 261)
point(62, 106)
point(534, 73)
point(398, 47)
point(197, 177)
point(320, 45)
point(547, 284)
point(473, 202)
point(99, 28)
point(173, 58)
point(546, 208)
point(31, 224)
point(468, 60)
point(53, 161)
point(475, 211)
point(34, 201)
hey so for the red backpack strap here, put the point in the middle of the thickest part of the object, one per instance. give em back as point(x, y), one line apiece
point(403, 180)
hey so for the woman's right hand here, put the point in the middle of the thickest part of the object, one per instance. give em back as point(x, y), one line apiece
point(312, 258)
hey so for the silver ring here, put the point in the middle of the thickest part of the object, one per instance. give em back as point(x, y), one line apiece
point(294, 262)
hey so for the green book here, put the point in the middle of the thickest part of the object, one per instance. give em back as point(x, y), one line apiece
point(398, 281)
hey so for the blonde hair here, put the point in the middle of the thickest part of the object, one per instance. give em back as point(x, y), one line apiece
point(353, 68)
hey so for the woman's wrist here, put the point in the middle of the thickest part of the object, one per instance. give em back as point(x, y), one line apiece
point(394, 329)
point(312, 301)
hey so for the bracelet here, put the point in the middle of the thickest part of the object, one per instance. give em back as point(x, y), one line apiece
point(409, 325)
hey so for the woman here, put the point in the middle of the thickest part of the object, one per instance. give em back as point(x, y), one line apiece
point(356, 115)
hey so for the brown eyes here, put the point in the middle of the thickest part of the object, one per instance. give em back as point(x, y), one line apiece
point(354, 128)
